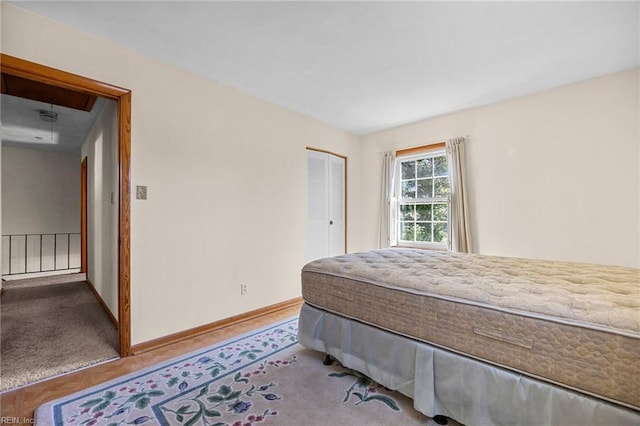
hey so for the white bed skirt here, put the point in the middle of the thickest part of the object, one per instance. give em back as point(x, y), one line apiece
point(445, 383)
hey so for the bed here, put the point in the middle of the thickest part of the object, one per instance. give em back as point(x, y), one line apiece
point(483, 339)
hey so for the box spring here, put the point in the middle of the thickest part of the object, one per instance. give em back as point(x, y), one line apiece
point(575, 325)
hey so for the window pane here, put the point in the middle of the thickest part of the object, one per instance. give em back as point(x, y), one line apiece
point(408, 170)
point(423, 232)
point(441, 187)
point(440, 233)
point(407, 231)
point(440, 165)
point(420, 218)
point(406, 212)
point(440, 212)
point(423, 212)
point(425, 189)
point(425, 167)
point(409, 189)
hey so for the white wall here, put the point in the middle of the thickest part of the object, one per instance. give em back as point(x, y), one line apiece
point(226, 176)
point(101, 151)
point(552, 175)
point(40, 191)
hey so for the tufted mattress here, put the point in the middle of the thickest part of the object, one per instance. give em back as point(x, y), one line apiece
point(575, 325)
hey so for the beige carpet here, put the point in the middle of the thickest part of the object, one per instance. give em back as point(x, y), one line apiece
point(51, 329)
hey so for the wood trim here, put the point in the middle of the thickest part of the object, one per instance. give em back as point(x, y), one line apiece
point(46, 93)
point(44, 74)
point(124, 224)
point(83, 216)
point(19, 67)
point(216, 325)
point(419, 149)
point(102, 303)
point(326, 152)
point(346, 187)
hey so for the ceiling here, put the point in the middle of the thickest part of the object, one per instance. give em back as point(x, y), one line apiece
point(367, 66)
point(23, 128)
point(23, 103)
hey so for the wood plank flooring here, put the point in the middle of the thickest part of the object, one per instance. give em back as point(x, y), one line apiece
point(23, 402)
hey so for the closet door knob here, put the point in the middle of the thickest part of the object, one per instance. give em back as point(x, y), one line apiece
point(330, 222)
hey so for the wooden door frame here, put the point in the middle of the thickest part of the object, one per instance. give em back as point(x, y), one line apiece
point(83, 217)
point(29, 70)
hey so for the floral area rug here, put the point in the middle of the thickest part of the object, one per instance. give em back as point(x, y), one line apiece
point(263, 377)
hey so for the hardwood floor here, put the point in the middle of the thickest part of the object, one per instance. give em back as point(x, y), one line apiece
point(22, 402)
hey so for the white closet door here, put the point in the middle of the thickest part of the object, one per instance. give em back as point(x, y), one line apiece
point(325, 205)
point(317, 205)
point(336, 205)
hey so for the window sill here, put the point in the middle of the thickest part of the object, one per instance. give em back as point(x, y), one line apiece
point(434, 248)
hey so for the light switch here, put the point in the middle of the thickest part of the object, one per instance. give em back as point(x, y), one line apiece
point(141, 192)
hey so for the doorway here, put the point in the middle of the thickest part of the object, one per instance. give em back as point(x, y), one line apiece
point(15, 67)
point(83, 216)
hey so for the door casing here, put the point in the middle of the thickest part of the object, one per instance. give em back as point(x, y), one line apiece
point(83, 217)
point(11, 65)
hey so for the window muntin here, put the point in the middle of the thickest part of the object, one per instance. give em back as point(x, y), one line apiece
point(423, 200)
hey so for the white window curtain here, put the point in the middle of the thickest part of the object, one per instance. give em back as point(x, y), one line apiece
point(385, 234)
point(460, 240)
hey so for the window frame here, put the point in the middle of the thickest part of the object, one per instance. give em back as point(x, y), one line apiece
point(413, 154)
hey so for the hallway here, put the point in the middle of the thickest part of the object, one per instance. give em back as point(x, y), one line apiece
point(51, 326)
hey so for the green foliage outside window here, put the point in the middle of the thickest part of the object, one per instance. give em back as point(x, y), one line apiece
point(423, 209)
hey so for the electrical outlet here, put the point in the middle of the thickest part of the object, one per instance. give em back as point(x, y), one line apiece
point(244, 289)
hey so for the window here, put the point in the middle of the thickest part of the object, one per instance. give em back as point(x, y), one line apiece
point(422, 194)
